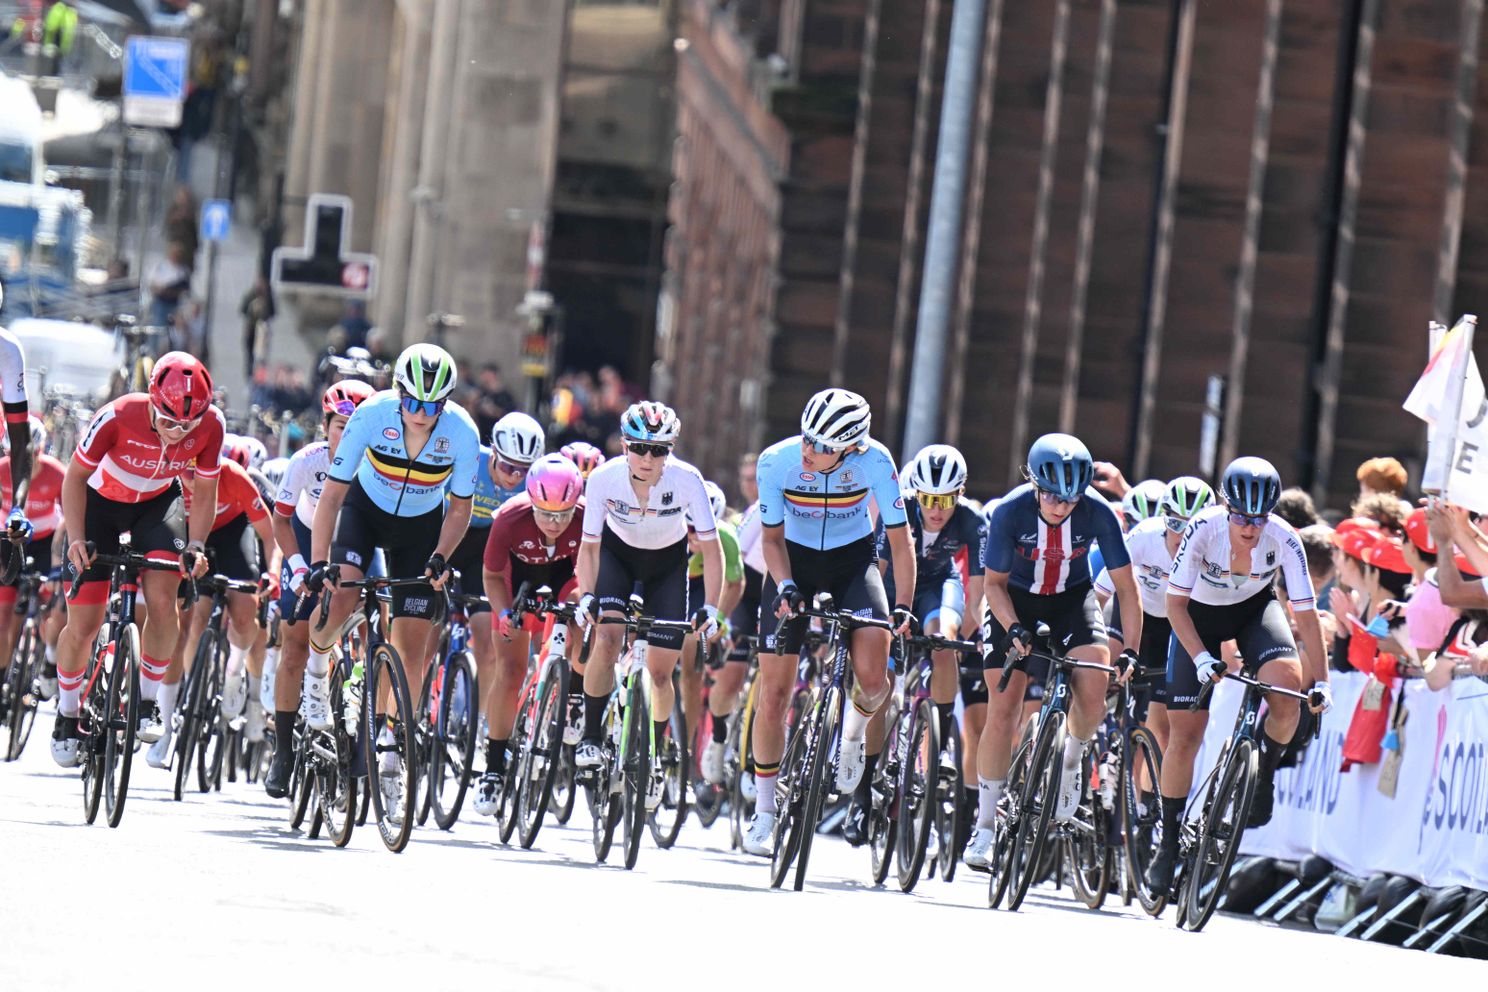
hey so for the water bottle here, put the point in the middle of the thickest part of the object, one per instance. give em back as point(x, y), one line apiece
point(1108, 775)
point(351, 697)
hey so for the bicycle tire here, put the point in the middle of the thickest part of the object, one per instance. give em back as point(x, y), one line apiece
point(816, 791)
point(21, 713)
point(92, 742)
point(1040, 795)
point(793, 768)
point(739, 761)
point(707, 799)
point(425, 737)
point(1089, 858)
point(335, 786)
point(1004, 848)
point(919, 773)
point(395, 824)
point(883, 813)
point(1219, 840)
point(506, 811)
point(665, 826)
point(1141, 758)
point(461, 728)
point(184, 748)
point(950, 811)
point(122, 705)
point(635, 769)
point(209, 727)
point(565, 789)
point(301, 784)
point(604, 800)
point(538, 764)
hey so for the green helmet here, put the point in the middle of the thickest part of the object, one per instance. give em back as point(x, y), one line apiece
point(1141, 501)
point(425, 372)
point(1186, 496)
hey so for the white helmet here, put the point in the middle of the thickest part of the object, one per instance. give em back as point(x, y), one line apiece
point(273, 470)
point(938, 470)
point(650, 421)
point(518, 439)
point(716, 499)
point(257, 453)
point(836, 419)
point(425, 372)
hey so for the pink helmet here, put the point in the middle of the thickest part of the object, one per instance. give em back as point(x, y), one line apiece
point(554, 483)
point(585, 455)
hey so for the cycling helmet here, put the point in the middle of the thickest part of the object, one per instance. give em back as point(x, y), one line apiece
point(518, 439)
point(836, 419)
point(237, 451)
point(357, 354)
point(1251, 486)
point(180, 386)
point(650, 421)
point(554, 484)
point(1186, 496)
point(1060, 464)
point(425, 372)
point(345, 396)
point(257, 453)
point(585, 455)
point(716, 499)
point(1142, 500)
point(38, 435)
point(273, 470)
point(938, 470)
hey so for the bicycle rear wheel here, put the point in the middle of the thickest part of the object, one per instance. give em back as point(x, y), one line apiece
point(950, 811)
point(184, 748)
point(302, 783)
point(391, 749)
point(565, 789)
point(452, 749)
point(1036, 810)
point(92, 728)
point(122, 708)
point(739, 762)
point(538, 764)
point(1091, 862)
point(604, 785)
point(212, 731)
point(918, 778)
point(1141, 813)
point(1225, 817)
point(667, 818)
point(883, 810)
point(636, 767)
point(20, 714)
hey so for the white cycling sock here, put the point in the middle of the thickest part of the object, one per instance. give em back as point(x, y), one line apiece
point(235, 658)
point(764, 800)
point(989, 791)
point(253, 681)
point(1073, 746)
point(854, 722)
point(319, 665)
point(51, 654)
point(169, 693)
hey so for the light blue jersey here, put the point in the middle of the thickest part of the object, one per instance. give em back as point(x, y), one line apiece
point(825, 510)
point(372, 452)
point(488, 495)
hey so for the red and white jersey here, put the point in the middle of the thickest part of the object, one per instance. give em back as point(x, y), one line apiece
point(129, 460)
point(44, 498)
point(303, 482)
point(237, 494)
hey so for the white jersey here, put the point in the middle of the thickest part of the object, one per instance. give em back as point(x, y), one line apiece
point(12, 368)
point(304, 479)
point(677, 497)
point(1201, 569)
point(1147, 543)
point(751, 543)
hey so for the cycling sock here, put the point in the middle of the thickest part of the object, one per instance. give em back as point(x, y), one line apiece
point(989, 791)
point(659, 731)
point(169, 693)
point(235, 658)
point(1271, 754)
point(319, 663)
point(594, 707)
point(720, 729)
point(947, 714)
point(496, 756)
point(864, 792)
point(1172, 820)
point(70, 691)
point(764, 784)
point(51, 655)
point(152, 672)
point(855, 722)
point(253, 685)
point(283, 730)
point(1073, 747)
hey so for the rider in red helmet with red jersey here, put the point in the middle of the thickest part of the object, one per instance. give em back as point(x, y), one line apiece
point(125, 476)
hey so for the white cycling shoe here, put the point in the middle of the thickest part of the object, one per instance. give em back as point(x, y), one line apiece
point(66, 748)
point(588, 755)
point(979, 848)
point(151, 725)
point(315, 702)
point(159, 754)
point(850, 765)
point(488, 794)
point(234, 695)
point(713, 763)
point(759, 839)
point(1069, 793)
point(254, 722)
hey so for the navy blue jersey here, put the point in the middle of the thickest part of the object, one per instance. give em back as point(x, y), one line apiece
point(934, 562)
point(1045, 560)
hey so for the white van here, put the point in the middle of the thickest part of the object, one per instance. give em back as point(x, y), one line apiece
point(63, 353)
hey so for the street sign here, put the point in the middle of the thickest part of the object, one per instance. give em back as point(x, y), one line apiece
point(155, 80)
point(324, 265)
point(216, 219)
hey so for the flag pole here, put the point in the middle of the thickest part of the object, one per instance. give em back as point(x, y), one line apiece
point(1447, 424)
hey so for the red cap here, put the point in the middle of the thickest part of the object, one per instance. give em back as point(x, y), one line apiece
point(1353, 525)
point(1386, 555)
point(1358, 541)
point(1420, 533)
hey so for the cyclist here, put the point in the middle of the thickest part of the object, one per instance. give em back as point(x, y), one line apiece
point(635, 533)
point(43, 511)
point(944, 527)
point(17, 431)
point(815, 489)
point(294, 515)
point(585, 455)
point(744, 623)
point(1222, 588)
point(533, 539)
point(733, 589)
point(125, 476)
point(240, 518)
point(1142, 502)
point(400, 453)
point(1038, 571)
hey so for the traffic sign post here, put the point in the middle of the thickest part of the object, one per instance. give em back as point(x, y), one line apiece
point(216, 220)
point(324, 265)
point(155, 80)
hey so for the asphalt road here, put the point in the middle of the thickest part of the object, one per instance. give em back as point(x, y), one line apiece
point(218, 892)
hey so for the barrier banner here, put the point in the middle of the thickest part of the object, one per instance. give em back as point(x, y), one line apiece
point(1434, 830)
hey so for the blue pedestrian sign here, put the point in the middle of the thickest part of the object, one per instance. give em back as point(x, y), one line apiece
point(216, 219)
point(155, 80)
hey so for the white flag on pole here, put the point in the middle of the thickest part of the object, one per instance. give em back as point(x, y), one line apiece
point(1450, 397)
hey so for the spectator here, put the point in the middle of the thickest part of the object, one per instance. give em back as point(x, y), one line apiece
point(354, 325)
point(1385, 509)
point(1381, 475)
point(1317, 543)
point(379, 347)
point(749, 479)
point(1296, 508)
point(1427, 618)
point(257, 310)
point(181, 223)
point(493, 400)
point(169, 281)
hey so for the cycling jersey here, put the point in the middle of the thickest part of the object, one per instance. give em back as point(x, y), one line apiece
point(12, 377)
point(733, 564)
point(131, 463)
point(303, 482)
point(372, 451)
point(1046, 560)
point(678, 496)
point(1147, 544)
point(937, 553)
point(237, 495)
point(1201, 568)
point(750, 544)
point(489, 496)
point(514, 537)
point(826, 510)
point(44, 498)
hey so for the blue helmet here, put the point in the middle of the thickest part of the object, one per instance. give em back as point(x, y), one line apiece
point(1060, 464)
point(1251, 486)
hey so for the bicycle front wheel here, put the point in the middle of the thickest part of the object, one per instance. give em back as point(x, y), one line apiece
point(1036, 810)
point(452, 747)
point(121, 705)
point(335, 786)
point(635, 768)
point(816, 783)
point(538, 764)
point(93, 727)
point(667, 819)
point(21, 712)
point(391, 748)
point(1225, 816)
point(919, 769)
point(1141, 813)
point(211, 728)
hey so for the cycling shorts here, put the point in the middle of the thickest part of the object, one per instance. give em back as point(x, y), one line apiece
point(744, 621)
point(157, 526)
point(658, 574)
point(1259, 625)
point(1073, 616)
point(946, 597)
point(232, 550)
point(849, 573)
point(408, 541)
point(469, 559)
point(291, 610)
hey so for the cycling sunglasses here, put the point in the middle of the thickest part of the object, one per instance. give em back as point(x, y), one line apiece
point(816, 446)
point(1055, 498)
point(429, 408)
point(557, 518)
point(642, 450)
point(171, 424)
point(511, 468)
point(1244, 520)
point(1176, 524)
point(933, 501)
point(345, 407)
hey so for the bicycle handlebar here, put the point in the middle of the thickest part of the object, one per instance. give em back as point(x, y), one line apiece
point(1207, 689)
point(374, 584)
point(130, 561)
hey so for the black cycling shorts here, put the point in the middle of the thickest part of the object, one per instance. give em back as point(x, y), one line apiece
point(658, 574)
point(232, 550)
point(1073, 616)
point(1259, 626)
point(407, 541)
point(849, 573)
point(155, 524)
point(744, 621)
point(470, 560)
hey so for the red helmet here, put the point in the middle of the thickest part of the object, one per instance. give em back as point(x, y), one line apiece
point(345, 396)
point(180, 386)
point(236, 451)
point(585, 455)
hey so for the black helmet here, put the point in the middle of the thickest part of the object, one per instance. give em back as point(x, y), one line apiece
point(1251, 486)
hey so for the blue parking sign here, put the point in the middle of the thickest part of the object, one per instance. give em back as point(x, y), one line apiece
point(155, 80)
point(216, 219)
